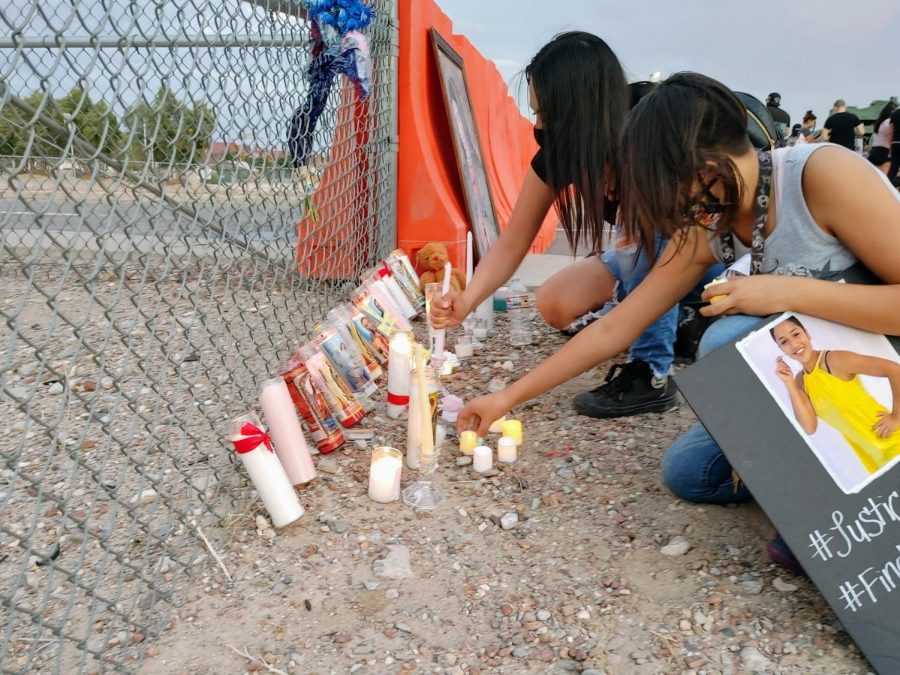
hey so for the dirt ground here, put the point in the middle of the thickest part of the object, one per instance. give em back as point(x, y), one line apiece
point(578, 583)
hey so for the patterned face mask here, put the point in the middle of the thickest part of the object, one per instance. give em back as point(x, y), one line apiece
point(707, 210)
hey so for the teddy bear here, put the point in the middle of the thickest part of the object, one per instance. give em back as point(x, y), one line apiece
point(431, 258)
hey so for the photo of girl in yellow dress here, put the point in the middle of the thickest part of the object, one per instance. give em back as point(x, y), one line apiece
point(829, 388)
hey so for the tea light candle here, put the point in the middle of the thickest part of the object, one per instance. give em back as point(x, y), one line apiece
point(497, 426)
point(468, 441)
point(513, 428)
point(384, 475)
point(480, 333)
point(482, 459)
point(506, 449)
point(290, 445)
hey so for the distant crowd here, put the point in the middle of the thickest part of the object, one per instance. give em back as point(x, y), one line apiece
point(843, 127)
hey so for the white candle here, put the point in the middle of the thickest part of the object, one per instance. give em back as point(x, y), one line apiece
point(265, 470)
point(464, 348)
point(482, 459)
point(396, 293)
point(281, 416)
point(413, 427)
point(440, 335)
point(480, 333)
point(398, 374)
point(470, 259)
point(426, 432)
point(384, 475)
point(468, 440)
point(383, 297)
point(506, 449)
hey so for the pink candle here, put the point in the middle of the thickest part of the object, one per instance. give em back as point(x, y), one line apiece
point(284, 427)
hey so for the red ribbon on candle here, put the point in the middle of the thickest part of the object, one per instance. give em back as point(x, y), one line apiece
point(396, 399)
point(252, 437)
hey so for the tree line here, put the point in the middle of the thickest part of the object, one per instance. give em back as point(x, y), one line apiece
point(164, 129)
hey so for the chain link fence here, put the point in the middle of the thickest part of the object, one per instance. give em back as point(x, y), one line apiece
point(160, 245)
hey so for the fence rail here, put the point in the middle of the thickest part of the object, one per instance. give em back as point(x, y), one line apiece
point(150, 215)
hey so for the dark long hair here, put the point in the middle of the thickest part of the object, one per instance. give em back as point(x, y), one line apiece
point(685, 129)
point(886, 112)
point(792, 319)
point(582, 100)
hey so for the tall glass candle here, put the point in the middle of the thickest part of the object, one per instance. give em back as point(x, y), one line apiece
point(399, 368)
point(337, 394)
point(384, 475)
point(506, 450)
point(513, 428)
point(482, 459)
point(254, 448)
point(323, 428)
point(281, 416)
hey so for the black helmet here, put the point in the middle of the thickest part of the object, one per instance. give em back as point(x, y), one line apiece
point(774, 99)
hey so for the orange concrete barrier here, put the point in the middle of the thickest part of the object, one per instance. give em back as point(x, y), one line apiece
point(430, 202)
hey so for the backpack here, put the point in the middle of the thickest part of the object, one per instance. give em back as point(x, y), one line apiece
point(760, 125)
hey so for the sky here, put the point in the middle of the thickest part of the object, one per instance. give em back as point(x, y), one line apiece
point(811, 55)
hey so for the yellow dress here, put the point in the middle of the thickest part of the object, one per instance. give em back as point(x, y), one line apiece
point(849, 408)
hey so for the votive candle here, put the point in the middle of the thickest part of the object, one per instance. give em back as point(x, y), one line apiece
point(506, 450)
point(513, 428)
point(497, 426)
point(482, 459)
point(384, 475)
point(468, 441)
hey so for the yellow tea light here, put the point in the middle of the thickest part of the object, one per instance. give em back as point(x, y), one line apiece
point(468, 441)
point(513, 429)
point(715, 298)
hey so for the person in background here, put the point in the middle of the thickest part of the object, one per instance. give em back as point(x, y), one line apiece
point(795, 134)
point(880, 145)
point(895, 147)
point(781, 118)
point(842, 127)
point(807, 128)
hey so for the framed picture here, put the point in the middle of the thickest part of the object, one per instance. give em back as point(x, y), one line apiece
point(466, 144)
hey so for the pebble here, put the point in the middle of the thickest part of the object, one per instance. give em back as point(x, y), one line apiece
point(56, 389)
point(543, 615)
point(520, 652)
point(371, 585)
point(395, 565)
point(206, 483)
point(752, 586)
point(145, 497)
point(403, 627)
point(106, 383)
point(509, 520)
point(338, 526)
point(496, 384)
point(754, 661)
point(677, 546)
point(465, 460)
point(392, 594)
point(328, 465)
point(262, 523)
point(783, 586)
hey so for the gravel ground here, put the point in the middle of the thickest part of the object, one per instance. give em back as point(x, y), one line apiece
point(601, 570)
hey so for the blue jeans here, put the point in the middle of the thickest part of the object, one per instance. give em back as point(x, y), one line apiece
point(656, 345)
point(694, 468)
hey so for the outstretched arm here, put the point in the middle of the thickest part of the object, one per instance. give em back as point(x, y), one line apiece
point(848, 364)
point(505, 256)
point(804, 412)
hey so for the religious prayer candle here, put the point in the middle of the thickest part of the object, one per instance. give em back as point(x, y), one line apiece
point(335, 390)
point(384, 475)
point(506, 449)
point(513, 428)
point(497, 426)
point(396, 293)
point(254, 448)
point(468, 440)
point(402, 267)
point(323, 428)
point(399, 368)
point(281, 416)
point(482, 459)
point(346, 359)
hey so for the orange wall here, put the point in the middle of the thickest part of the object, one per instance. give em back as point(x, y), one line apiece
point(430, 202)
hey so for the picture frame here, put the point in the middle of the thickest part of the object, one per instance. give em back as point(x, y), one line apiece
point(466, 145)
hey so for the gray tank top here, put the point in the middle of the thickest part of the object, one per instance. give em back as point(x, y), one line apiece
point(797, 246)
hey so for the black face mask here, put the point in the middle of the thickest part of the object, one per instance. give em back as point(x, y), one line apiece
point(539, 137)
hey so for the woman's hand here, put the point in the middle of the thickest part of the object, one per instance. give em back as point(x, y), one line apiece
point(886, 425)
point(757, 295)
point(482, 412)
point(784, 372)
point(450, 310)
